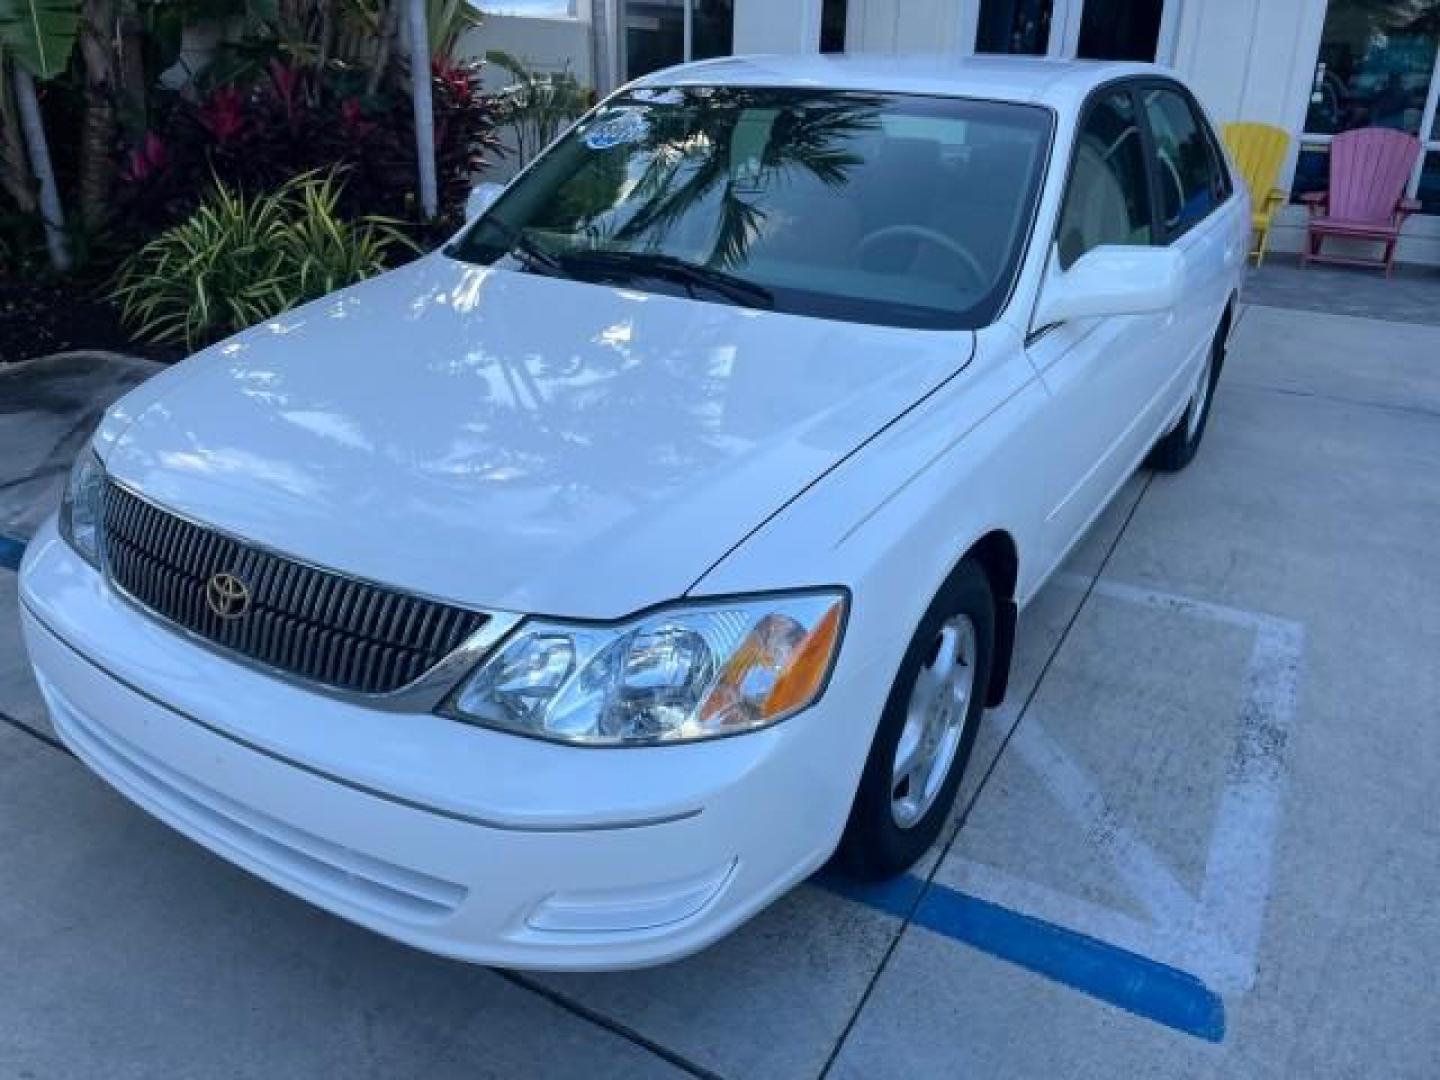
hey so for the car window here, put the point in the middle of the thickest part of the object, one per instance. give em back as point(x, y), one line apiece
point(1108, 201)
point(896, 209)
point(1191, 182)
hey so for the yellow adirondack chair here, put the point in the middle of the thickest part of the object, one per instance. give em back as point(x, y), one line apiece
point(1259, 151)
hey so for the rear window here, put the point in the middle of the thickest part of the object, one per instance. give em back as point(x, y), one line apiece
point(897, 209)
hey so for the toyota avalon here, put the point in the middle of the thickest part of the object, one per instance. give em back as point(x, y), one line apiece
point(562, 598)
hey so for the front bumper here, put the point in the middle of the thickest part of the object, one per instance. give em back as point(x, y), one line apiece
point(461, 841)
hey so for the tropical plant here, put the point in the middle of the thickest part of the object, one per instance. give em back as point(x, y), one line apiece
point(16, 181)
point(38, 36)
point(536, 107)
point(355, 33)
point(327, 251)
point(298, 119)
point(361, 35)
point(239, 260)
point(100, 80)
point(447, 21)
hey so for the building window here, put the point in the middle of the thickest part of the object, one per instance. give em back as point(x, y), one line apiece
point(1428, 191)
point(1120, 30)
point(538, 9)
point(714, 29)
point(1377, 67)
point(659, 33)
point(1014, 26)
point(1087, 29)
point(832, 26)
point(1312, 171)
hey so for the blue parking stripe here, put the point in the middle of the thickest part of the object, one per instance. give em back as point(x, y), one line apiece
point(11, 552)
point(1121, 978)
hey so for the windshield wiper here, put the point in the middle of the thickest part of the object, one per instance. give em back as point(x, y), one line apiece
point(531, 252)
point(523, 248)
point(613, 263)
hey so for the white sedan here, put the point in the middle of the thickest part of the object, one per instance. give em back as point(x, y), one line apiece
point(564, 597)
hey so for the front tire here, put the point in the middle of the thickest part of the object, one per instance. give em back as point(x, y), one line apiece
point(1178, 448)
point(926, 732)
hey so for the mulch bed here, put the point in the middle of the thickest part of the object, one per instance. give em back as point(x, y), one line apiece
point(40, 318)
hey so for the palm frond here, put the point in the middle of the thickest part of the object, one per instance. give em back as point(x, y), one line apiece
point(40, 34)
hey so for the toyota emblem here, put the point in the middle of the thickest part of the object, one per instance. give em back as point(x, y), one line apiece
point(227, 596)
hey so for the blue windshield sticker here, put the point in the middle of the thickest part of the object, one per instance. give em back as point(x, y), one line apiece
point(621, 129)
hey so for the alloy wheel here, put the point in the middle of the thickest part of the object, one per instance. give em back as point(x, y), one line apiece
point(934, 722)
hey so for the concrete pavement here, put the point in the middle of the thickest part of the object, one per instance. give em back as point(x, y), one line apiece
point(1215, 779)
point(48, 408)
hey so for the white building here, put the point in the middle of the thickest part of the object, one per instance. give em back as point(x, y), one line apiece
point(1313, 67)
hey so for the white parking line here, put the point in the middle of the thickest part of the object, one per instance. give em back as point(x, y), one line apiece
point(1216, 935)
point(1146, 876)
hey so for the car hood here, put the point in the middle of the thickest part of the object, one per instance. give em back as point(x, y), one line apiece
point(515, 441)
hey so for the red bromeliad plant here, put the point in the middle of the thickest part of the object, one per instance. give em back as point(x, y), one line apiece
point(146, 161)
point(298, 118)
point(223, 115)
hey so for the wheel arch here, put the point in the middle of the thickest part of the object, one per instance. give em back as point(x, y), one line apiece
point(1227, 319)
point(998, 555)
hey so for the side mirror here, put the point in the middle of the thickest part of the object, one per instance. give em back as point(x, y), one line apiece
point(481, 197)
point(1111, 281)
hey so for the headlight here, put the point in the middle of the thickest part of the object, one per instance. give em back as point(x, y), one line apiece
point(697, 671)
point(80, 506)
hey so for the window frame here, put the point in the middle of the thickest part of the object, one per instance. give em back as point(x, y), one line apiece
point(1124, 85)
point(1219, 164)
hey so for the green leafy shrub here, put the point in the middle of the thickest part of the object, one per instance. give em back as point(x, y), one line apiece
point(239, 260)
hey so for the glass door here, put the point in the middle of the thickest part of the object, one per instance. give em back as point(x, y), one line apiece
point(1378, 66)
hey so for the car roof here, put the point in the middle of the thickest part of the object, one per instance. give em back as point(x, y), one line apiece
point(1061, 84)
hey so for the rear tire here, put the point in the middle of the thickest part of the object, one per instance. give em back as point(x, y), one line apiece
point(930, 720)
point(1178, 448)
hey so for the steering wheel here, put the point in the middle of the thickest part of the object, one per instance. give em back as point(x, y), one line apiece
point(963, 255)
point(1173, 171)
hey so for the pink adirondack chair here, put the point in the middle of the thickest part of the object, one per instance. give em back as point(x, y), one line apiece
point(1369, 169)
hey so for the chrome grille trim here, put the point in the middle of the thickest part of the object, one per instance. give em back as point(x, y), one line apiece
point(319, 628)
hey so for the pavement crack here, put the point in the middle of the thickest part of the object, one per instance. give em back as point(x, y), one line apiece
point(614, 1027)
point(1418, 411)
point(35, 733)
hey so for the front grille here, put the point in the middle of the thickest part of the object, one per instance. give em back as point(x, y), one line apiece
point(310, 623)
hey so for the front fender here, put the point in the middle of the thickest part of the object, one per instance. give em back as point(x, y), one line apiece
point(893, 521)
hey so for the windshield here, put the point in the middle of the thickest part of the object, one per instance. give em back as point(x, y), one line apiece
point(896, 209)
